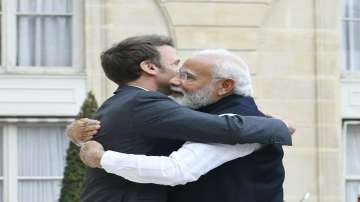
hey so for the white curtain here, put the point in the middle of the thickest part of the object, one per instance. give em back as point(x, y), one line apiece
point(39, 191)
point(1, 151)
point(1, 192)
point(352, 190)
point(1, 163)
point(1, 62)
point(44, 40)
point(352, 162)
point(351, 35)
point(41, 152)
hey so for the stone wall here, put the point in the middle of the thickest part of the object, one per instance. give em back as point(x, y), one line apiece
point(291, 46)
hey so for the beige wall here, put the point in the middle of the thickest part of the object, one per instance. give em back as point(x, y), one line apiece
point(292, 47)
point(110, 22)
point(298, 79)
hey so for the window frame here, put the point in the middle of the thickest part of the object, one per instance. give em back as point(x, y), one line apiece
point(347, 177)
point(346, 70)
point(2, 178)
point(11, 178)
point(9, 39)
point(2, 46)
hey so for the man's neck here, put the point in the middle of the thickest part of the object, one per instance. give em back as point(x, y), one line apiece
point(143, 84)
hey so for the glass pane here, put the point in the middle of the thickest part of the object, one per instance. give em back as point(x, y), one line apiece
point(44, 41)
point(1, 191)
point(352, 8)
point(352, 191)
point(1, 152)
point(39, 191)
point(0, 37)
point(45, 6)
point(351, 43)
point(41, 151)
point(1, 163)
point(353, 150)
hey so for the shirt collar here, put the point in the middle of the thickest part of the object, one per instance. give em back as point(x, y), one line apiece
point(138, 87)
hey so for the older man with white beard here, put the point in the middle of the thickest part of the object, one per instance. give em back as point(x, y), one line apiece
point(217, 82)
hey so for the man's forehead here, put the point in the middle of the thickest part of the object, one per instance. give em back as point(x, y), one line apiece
point(165, 47)
point(166, 50)
point(197, 65)
point(168, 53)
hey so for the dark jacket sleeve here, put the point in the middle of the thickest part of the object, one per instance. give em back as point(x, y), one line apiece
point(155, 115)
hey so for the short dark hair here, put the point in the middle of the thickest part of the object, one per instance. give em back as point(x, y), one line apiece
point(121, 63)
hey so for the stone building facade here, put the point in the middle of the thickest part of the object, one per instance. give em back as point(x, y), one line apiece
point(297, 50)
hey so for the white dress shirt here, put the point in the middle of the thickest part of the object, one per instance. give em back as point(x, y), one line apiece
point(185, 165)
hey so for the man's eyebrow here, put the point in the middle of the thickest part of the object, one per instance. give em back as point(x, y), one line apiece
point(188, 71)
point(176, 62)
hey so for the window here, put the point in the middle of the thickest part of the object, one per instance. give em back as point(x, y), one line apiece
point(351, 38)
point(44, 33)
point(352, 160)
point(35, 154)
point(1, 32)
point(41, 161)
point(41, 35)
point(1, 165)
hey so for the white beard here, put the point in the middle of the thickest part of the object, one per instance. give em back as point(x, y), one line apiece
point(197, 99)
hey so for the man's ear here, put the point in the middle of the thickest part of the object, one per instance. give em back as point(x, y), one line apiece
point(225, 87)
point(148, 67)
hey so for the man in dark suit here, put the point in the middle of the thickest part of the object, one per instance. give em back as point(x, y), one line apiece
point(218, 82)
point(139, 120)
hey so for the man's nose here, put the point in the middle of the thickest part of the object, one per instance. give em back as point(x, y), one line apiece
point(175, 81)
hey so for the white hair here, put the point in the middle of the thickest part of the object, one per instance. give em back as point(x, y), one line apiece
point(229, 66)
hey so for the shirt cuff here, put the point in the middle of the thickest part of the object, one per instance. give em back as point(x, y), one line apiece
point(111, 160)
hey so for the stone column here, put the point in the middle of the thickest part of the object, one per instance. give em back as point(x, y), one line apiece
point(96, 29)
point(328, 66)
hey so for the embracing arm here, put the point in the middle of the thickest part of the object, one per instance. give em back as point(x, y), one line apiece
point(185, 165)
point(82, 130)
point(158, 116)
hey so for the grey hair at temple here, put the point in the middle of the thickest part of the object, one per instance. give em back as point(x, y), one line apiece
point(229, 66)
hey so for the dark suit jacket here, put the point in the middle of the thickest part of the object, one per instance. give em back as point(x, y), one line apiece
point(257, 177)
point(144, 122)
